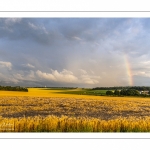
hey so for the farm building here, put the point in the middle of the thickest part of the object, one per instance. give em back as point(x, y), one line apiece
point(144, 92)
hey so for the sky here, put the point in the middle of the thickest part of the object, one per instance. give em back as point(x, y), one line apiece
point(75, 52)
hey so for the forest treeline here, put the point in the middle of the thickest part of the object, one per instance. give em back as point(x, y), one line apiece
point(10, 88)
point(139, 88)
point(127, 92)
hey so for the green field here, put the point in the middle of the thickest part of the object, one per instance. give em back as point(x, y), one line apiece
point(79, 91)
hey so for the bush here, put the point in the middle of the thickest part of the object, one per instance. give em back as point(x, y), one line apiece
point(109, 92)
point(9, 88)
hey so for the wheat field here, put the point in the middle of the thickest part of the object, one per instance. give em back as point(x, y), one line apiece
point(47, 111)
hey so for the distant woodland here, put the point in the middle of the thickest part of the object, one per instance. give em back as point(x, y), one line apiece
point(16, 88)
point(139, 88)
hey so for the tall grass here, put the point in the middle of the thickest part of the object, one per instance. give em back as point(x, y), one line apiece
point(72, 124)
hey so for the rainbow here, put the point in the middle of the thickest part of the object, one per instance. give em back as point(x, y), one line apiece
point(128, 68)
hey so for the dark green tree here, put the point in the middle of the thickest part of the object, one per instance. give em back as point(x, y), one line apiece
point(117, 92)
point(130, 92)
point(109, 92)
point(123, 92)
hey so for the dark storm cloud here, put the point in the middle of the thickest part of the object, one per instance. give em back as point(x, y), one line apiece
point(20, 29)
point(73, 51)
point(47, 32)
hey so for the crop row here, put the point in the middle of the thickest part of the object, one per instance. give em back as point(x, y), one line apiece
point(72, 124)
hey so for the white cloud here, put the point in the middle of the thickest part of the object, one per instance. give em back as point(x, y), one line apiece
point(6, 64)
point(33, 26)
point(89, 79)
point(37, 27)
point(63, 76)
point(83, 71)
point(146, 62)
point(141, 73)
point(11, 21)
point(28, 65)
point(67, 76)
point(76, 38)
point(46, 76)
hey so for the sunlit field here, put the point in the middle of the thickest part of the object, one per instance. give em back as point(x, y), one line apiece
point(71, 110)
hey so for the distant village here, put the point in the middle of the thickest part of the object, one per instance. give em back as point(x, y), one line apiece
point(144, 92)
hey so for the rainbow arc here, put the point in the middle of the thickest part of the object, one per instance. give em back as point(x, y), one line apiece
point(129, 71)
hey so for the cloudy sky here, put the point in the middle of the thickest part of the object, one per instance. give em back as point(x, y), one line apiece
point(76, 52)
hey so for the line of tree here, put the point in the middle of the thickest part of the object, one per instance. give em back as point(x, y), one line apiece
point(139, 88)
point(53, 87)
point(130, 92)
point(125, 92)
point(10, 88)
point(108, 88)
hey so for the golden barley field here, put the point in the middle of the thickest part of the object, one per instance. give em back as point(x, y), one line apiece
point(42, 110)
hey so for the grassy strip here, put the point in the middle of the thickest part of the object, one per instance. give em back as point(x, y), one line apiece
point(84, 92)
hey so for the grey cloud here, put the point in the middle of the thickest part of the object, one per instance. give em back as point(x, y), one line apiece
point(91, 50)
point(26, 29)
